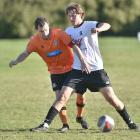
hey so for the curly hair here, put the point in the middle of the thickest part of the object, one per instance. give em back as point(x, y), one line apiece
point(77, 7)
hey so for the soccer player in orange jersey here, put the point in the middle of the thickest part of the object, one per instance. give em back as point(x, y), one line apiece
point(97, 79)
point(52, 45)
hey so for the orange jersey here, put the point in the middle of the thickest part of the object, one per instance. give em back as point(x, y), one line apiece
point(58, 40)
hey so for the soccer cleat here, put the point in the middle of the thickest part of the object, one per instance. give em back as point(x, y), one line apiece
point(133, 126)
point(64, 128)
point(83, 122)
point(41, 128)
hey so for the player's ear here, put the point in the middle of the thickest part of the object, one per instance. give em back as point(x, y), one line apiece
point(82, 15)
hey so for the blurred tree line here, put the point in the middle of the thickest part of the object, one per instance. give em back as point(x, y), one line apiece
point(17, 16)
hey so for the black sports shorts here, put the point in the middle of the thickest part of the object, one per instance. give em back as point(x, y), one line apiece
point(58, 80)
point(80, 81)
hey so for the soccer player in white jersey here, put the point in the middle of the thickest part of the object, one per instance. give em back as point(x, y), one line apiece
point(95, 78)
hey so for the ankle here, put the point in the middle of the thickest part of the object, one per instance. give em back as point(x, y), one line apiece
point(65, 125)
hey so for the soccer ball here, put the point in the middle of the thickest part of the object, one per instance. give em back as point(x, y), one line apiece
point(105, 123)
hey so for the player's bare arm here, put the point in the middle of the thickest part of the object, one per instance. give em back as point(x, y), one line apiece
point(19, 59)
point(84, 65)
point(101, 27)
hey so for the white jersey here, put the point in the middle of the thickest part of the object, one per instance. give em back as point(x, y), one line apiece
point(89, 45)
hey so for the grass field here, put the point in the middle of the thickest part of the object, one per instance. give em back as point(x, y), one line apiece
point(26, 94)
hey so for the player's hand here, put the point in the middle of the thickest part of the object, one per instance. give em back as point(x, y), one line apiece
point(85, 67)
point(12, 63)
point(77, 42)
point(94, 30)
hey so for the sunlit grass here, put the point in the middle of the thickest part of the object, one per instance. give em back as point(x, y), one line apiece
point(26, 94)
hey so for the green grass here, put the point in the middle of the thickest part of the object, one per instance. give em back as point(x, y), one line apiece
point(26, 94)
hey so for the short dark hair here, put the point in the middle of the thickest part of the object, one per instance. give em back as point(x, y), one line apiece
point(40, 21)
point(77, 7)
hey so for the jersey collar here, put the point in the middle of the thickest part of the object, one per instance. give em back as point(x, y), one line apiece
point(79, 25)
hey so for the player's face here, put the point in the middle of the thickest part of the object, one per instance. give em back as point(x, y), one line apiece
point(74, 17)
point(44, 31)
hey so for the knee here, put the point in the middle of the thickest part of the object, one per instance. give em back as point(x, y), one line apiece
point(63, 109)
point(63, 98)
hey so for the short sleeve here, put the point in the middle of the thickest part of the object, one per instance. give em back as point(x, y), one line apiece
point(31, 47)
point(93, 24)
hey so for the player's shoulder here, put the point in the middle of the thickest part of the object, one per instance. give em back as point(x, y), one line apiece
point(34, 37)
point(90, 22)
point(57, 31)
point(69, 29)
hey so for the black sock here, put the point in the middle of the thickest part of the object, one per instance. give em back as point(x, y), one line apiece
point(65, 125)
point(124, 114)
point(51, 115)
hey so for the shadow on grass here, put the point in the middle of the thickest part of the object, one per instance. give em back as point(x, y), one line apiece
point(21, 130)
point(14, 130)
point(52, 130)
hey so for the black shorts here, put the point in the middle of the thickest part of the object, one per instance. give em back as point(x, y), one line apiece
point(80, 81)
point(58, 80)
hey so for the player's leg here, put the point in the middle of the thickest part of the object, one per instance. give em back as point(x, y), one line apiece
point(111, 97)
point(72, 81)
point(54, 109)
point(100, 82)
point(57, 83)
point(68, 87)
point(61, 101)
point(76, 82)
point(80, 103)
point(63, 116)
